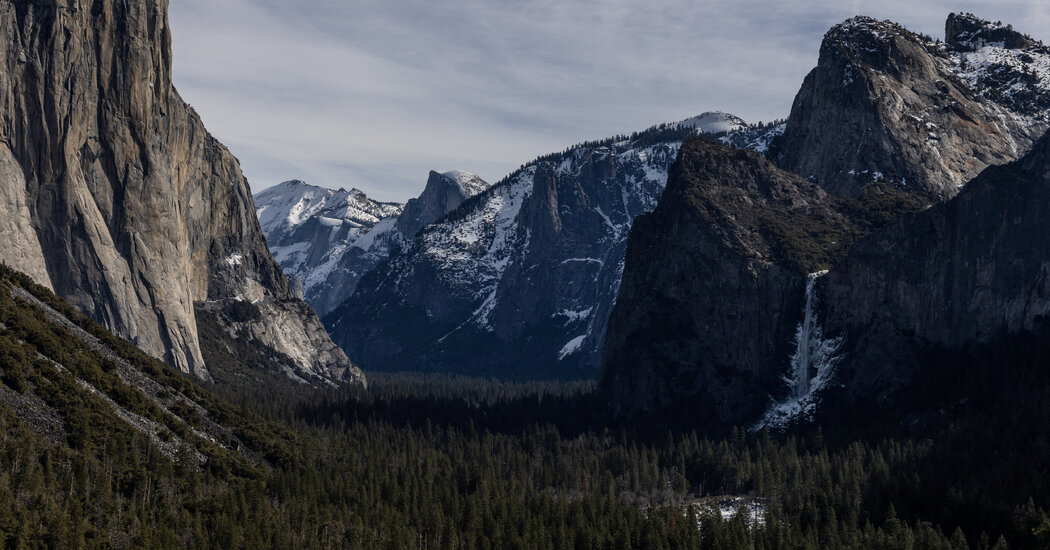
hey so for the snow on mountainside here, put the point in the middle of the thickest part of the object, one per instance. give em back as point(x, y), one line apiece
point(286, 206)
point(469, 184)
point(329, 239)
point(758, 137)
point(715, 123)
point(309, 229)
point(522, 277)
point(999, 64)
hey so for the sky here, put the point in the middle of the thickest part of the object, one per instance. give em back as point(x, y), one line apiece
point(374, 94)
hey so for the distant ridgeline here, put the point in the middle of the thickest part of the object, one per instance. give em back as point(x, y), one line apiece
point(518, 281)
point(328, 239)
point(513, 280)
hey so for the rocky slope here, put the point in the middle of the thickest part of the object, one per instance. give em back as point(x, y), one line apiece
point(886, 103)
point(961, 275)
point(71, 381)
point(713, 286)
point(330, 239)
point(519, 281)
point(116, 196)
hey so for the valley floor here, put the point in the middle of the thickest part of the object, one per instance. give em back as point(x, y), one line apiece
point(441, 462)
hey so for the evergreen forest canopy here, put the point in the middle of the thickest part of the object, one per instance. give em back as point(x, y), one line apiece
point(440, 462)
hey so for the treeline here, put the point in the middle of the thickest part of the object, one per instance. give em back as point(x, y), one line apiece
point(429, 462)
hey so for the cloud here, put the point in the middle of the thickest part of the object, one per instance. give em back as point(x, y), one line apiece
point(375, 94)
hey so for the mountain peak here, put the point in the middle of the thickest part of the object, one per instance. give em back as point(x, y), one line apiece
point(469, 183)
point(714, 123)
point(444, 192)
point(967, 32)
point(890, 104)
point(866, 41)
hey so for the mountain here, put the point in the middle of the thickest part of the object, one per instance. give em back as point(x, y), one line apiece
point(713, 286)
point(884, 103)
point(518, 281)
point(329, 239)
point(715, 123)
point(723, 315)
point(117, 198)
point(310, 229)
point(442, 194)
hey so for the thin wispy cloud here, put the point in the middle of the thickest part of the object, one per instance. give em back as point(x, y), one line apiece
point(373, 94)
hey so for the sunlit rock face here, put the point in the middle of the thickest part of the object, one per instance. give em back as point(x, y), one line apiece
point(885, 103)
point(117, 197)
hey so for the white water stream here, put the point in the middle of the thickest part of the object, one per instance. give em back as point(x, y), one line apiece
point(812, 365)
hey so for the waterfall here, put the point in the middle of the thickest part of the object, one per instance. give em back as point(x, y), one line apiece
point(805, 339)
point(812, 365)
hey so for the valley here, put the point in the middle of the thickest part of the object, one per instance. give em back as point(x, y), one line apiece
point(824, 331)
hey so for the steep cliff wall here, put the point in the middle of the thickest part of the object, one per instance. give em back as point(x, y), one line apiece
point(118, 198)
point(713, 287)
point(972, 271)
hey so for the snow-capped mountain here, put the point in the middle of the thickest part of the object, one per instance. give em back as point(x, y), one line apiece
point(520, 280)
point(310, 229)
point(443, 194)
point(1000, 64)
point(715, 123)
point(329, 238)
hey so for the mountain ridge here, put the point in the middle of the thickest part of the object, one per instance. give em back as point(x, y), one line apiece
point(329, 246)
point(521, 274)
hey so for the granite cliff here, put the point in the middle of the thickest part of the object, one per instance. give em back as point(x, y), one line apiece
point(117, 198)
point(885, 103)
point(713, 286)
point(964, 274)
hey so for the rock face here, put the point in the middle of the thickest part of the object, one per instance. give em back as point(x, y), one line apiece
point(713, 287)
point(518, 281)
point(885, 103)
point(313, 233)
point(443, 194)
point(966, 32)
point(117, 197)
point(961, 274)
point(330, 239)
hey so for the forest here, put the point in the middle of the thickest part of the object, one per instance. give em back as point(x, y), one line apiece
point(436, 461)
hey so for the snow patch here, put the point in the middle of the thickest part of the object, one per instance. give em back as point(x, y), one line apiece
point(574, 315)
point(1018, 79)
point(572, 347)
